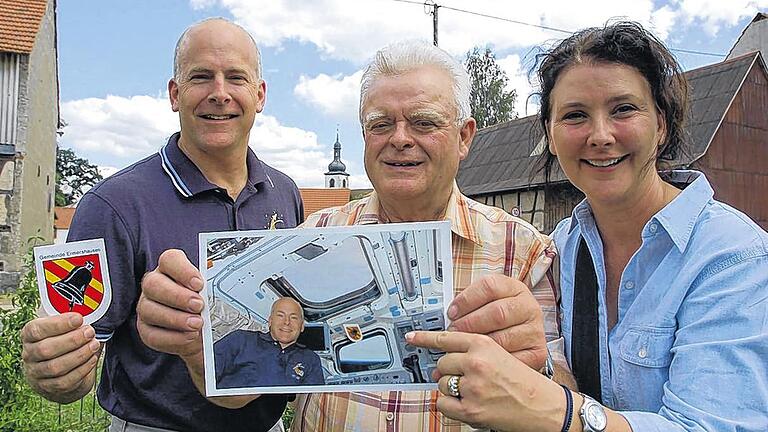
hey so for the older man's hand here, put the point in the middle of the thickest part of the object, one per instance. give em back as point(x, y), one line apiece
point(169, 308)
point(504, 309)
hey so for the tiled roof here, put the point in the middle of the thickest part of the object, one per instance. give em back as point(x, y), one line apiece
point(317, 199)
point(500, 156)
point(19, 24)
point(62, 217)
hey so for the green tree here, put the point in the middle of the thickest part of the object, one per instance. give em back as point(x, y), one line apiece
point(491, 102)
point(74, 175)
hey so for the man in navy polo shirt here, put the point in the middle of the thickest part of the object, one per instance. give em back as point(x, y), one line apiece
point(247, 358)
point(205, 178)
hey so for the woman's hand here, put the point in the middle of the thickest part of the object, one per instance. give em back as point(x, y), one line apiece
point(497, 390)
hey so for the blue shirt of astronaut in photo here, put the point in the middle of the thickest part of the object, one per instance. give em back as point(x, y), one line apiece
point(246, 358)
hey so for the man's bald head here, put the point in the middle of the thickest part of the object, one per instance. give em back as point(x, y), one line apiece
point(182, 43)
point(287, 300)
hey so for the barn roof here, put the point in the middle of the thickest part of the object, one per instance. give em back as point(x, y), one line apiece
point(502, 157)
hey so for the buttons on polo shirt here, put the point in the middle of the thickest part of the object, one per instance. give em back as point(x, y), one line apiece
point(629, 284)
point(390, 417)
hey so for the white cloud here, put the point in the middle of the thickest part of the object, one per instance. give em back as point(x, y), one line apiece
point(518, 80)
point(353, 30)
point(107, 171)
point(714, 14)
point(293, 151)
point(336, 95)
point(359, 182)
point(122, 130)
point(663, 21)
point(117, 127)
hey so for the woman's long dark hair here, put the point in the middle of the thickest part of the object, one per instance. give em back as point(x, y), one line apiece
point(624, 43)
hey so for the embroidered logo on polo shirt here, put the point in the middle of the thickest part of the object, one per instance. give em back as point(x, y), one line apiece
point(299, 370)
point(273, 220)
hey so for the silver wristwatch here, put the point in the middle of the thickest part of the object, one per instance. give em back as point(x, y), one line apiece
point(549, 367)
point(592, 415)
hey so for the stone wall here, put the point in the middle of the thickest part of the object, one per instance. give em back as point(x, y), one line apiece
point(27, 180)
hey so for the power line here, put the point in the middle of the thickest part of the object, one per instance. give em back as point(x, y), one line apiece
point(555, 29)
point(506, 19)
point(697, 52)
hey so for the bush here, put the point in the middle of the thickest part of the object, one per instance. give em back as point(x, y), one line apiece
point(23, 410)
point(25, 302)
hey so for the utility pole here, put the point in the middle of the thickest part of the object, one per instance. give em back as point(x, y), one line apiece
point(433, 12)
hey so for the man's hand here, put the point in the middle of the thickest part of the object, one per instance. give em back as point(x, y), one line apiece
point(504, 309)
point(169, 308)
point(60, 356)
point(169, 318)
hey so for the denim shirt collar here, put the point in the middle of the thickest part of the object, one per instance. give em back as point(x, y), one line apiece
point(677, 218)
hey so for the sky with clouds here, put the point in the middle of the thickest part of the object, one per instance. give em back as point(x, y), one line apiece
point(115, 59)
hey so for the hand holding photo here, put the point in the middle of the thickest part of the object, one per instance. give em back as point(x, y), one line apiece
point(323, 309)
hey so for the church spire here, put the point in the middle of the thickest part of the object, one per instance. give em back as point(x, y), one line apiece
point(336, 177)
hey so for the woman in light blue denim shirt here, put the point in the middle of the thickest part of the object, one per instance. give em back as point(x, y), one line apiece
point(682, 279)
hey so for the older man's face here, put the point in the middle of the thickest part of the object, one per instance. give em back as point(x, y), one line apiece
point(412, 144)
point(286, 322)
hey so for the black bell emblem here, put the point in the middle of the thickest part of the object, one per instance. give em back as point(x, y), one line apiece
point(73, 286)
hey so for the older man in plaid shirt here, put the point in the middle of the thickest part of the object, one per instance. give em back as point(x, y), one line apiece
point(415, 116)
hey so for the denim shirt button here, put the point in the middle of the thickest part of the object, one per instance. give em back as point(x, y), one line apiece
point(653, 228)
point(629, 285)
point(643, 353)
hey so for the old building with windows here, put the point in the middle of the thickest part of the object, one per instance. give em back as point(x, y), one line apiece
point(29, 120)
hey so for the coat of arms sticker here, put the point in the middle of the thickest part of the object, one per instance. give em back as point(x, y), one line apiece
point(74, 277)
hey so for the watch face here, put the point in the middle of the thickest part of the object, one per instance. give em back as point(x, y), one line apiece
point(595, 417)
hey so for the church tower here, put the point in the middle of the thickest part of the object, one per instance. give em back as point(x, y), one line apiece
point(337, 177)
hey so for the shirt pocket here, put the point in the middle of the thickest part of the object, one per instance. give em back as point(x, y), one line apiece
point(643, 368)
point(648, 346)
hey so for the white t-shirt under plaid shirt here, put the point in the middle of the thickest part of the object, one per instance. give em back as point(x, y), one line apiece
point(485, 240)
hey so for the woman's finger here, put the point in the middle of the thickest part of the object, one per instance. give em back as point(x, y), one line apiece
point(441, 340)
point(452, 364)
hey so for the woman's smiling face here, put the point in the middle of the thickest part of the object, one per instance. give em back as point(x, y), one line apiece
point(605, 129)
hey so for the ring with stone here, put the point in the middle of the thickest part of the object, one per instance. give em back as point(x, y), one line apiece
point(453, 386)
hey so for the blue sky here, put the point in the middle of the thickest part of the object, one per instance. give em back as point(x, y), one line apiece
point(115, 59)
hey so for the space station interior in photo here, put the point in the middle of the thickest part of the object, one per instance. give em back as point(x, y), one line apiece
point(386, 281)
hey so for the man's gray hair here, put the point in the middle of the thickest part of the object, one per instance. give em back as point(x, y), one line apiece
point(183, 39)
point(405, 56)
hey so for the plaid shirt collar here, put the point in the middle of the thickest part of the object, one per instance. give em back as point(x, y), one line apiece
point(457, 213)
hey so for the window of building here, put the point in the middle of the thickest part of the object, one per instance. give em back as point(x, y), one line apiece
point(332, 183)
